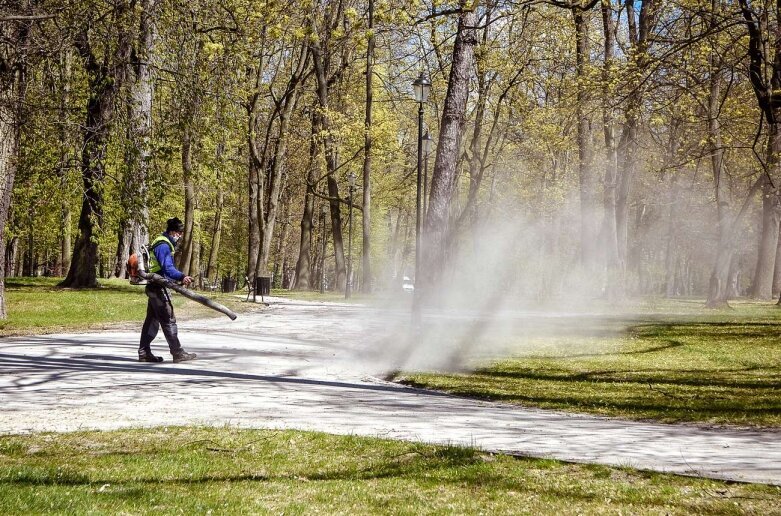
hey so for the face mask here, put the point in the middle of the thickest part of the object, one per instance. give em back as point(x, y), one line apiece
point(175, 239)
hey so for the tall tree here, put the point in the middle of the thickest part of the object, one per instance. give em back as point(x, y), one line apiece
point(614, 285)
point(271, 186)
point(443, 179)
point(366, 262)
point(640, 31)
point(16, 19)
point(325, 48)
point(103, 46)
point(134, 230)
point(763, 23)
point(304, 266)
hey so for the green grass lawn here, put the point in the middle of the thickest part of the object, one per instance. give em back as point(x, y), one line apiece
point(37, 305)
point(708, 367)
point(231, 471)
point(328, 296)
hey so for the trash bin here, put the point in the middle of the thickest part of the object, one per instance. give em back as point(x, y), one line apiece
point(263, 285)
point(228, 284)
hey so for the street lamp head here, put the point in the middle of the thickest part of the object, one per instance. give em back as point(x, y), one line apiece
point(351, 179)
point(427, 143)
point(421, 87)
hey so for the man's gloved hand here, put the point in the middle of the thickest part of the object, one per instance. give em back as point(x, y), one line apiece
point(187, 280)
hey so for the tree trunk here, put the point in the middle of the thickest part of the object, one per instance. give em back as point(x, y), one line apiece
point(185, 248)
point(771, 216)
point(336, 230)
point(256, 161)
point(777, 271)
point(329, 148)
point(670, 252)
point(366, 263)
point(270, 208)
point(614, 283)
point(588, 204)
point(281, 257)
point(640, 31)
point(762, 287)
point(304, 264)
point(10, 122)
point(253, 181)
point(64, 257)
point(105, 80)
point(134, 227)
point(214, 252)
point(124, 236)
point(194, 270)
point(443, 180)
point(718, 288)
point(13, 81)
point(11, 257)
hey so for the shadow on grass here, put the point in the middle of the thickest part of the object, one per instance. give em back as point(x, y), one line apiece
point(676, 408)
point(460, 468)
point(670, 344)
point(721, 330)
point(712, 379)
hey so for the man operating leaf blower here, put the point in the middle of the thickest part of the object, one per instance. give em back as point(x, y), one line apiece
point(159, 310)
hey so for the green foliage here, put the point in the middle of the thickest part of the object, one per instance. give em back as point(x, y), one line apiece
point(227, 470)
point(37, 305)
point(720, 368)
point(214, 62)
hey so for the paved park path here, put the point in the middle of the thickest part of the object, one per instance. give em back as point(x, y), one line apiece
point(316, 366)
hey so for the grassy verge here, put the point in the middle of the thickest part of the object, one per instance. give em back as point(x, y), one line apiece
point(37, 305)
point(722, 368)
point(331, 297)
point(202, 471)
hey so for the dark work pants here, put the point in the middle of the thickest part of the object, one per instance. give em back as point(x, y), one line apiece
point(159, 313)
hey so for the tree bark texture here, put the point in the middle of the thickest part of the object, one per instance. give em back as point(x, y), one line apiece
point(771, 216)
point(718, 288)
point(10, 123)
point(273, 184)
point(304, 264)
point(66, 147)
point(614, 282)
point(366, 262)
point(14, 37)
point(322, 64)
point(105, 79)
point(640, 29)
point(443, 180)
point(194, 270)
point(588, 194)
point(214, 251)
point(135, 225)
point(764, 51)
point(185, 248)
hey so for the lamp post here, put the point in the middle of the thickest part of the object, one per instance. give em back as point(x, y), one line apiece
point(323, 214)
point(421, 87)
point(427, 142)
point(348, 284)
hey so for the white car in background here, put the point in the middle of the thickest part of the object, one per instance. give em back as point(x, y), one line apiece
point(407, 285)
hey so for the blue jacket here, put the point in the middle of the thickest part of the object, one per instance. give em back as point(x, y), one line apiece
point(166, 260)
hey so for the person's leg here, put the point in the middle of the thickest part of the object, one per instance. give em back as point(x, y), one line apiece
point(148, 332)
point(170, 330)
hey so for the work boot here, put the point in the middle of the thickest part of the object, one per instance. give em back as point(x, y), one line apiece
point(147, 356)
point(184, 356)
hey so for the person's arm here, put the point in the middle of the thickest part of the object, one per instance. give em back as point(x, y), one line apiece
point(166, 260)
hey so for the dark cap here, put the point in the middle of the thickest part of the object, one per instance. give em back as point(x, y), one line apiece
point(174, 224)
